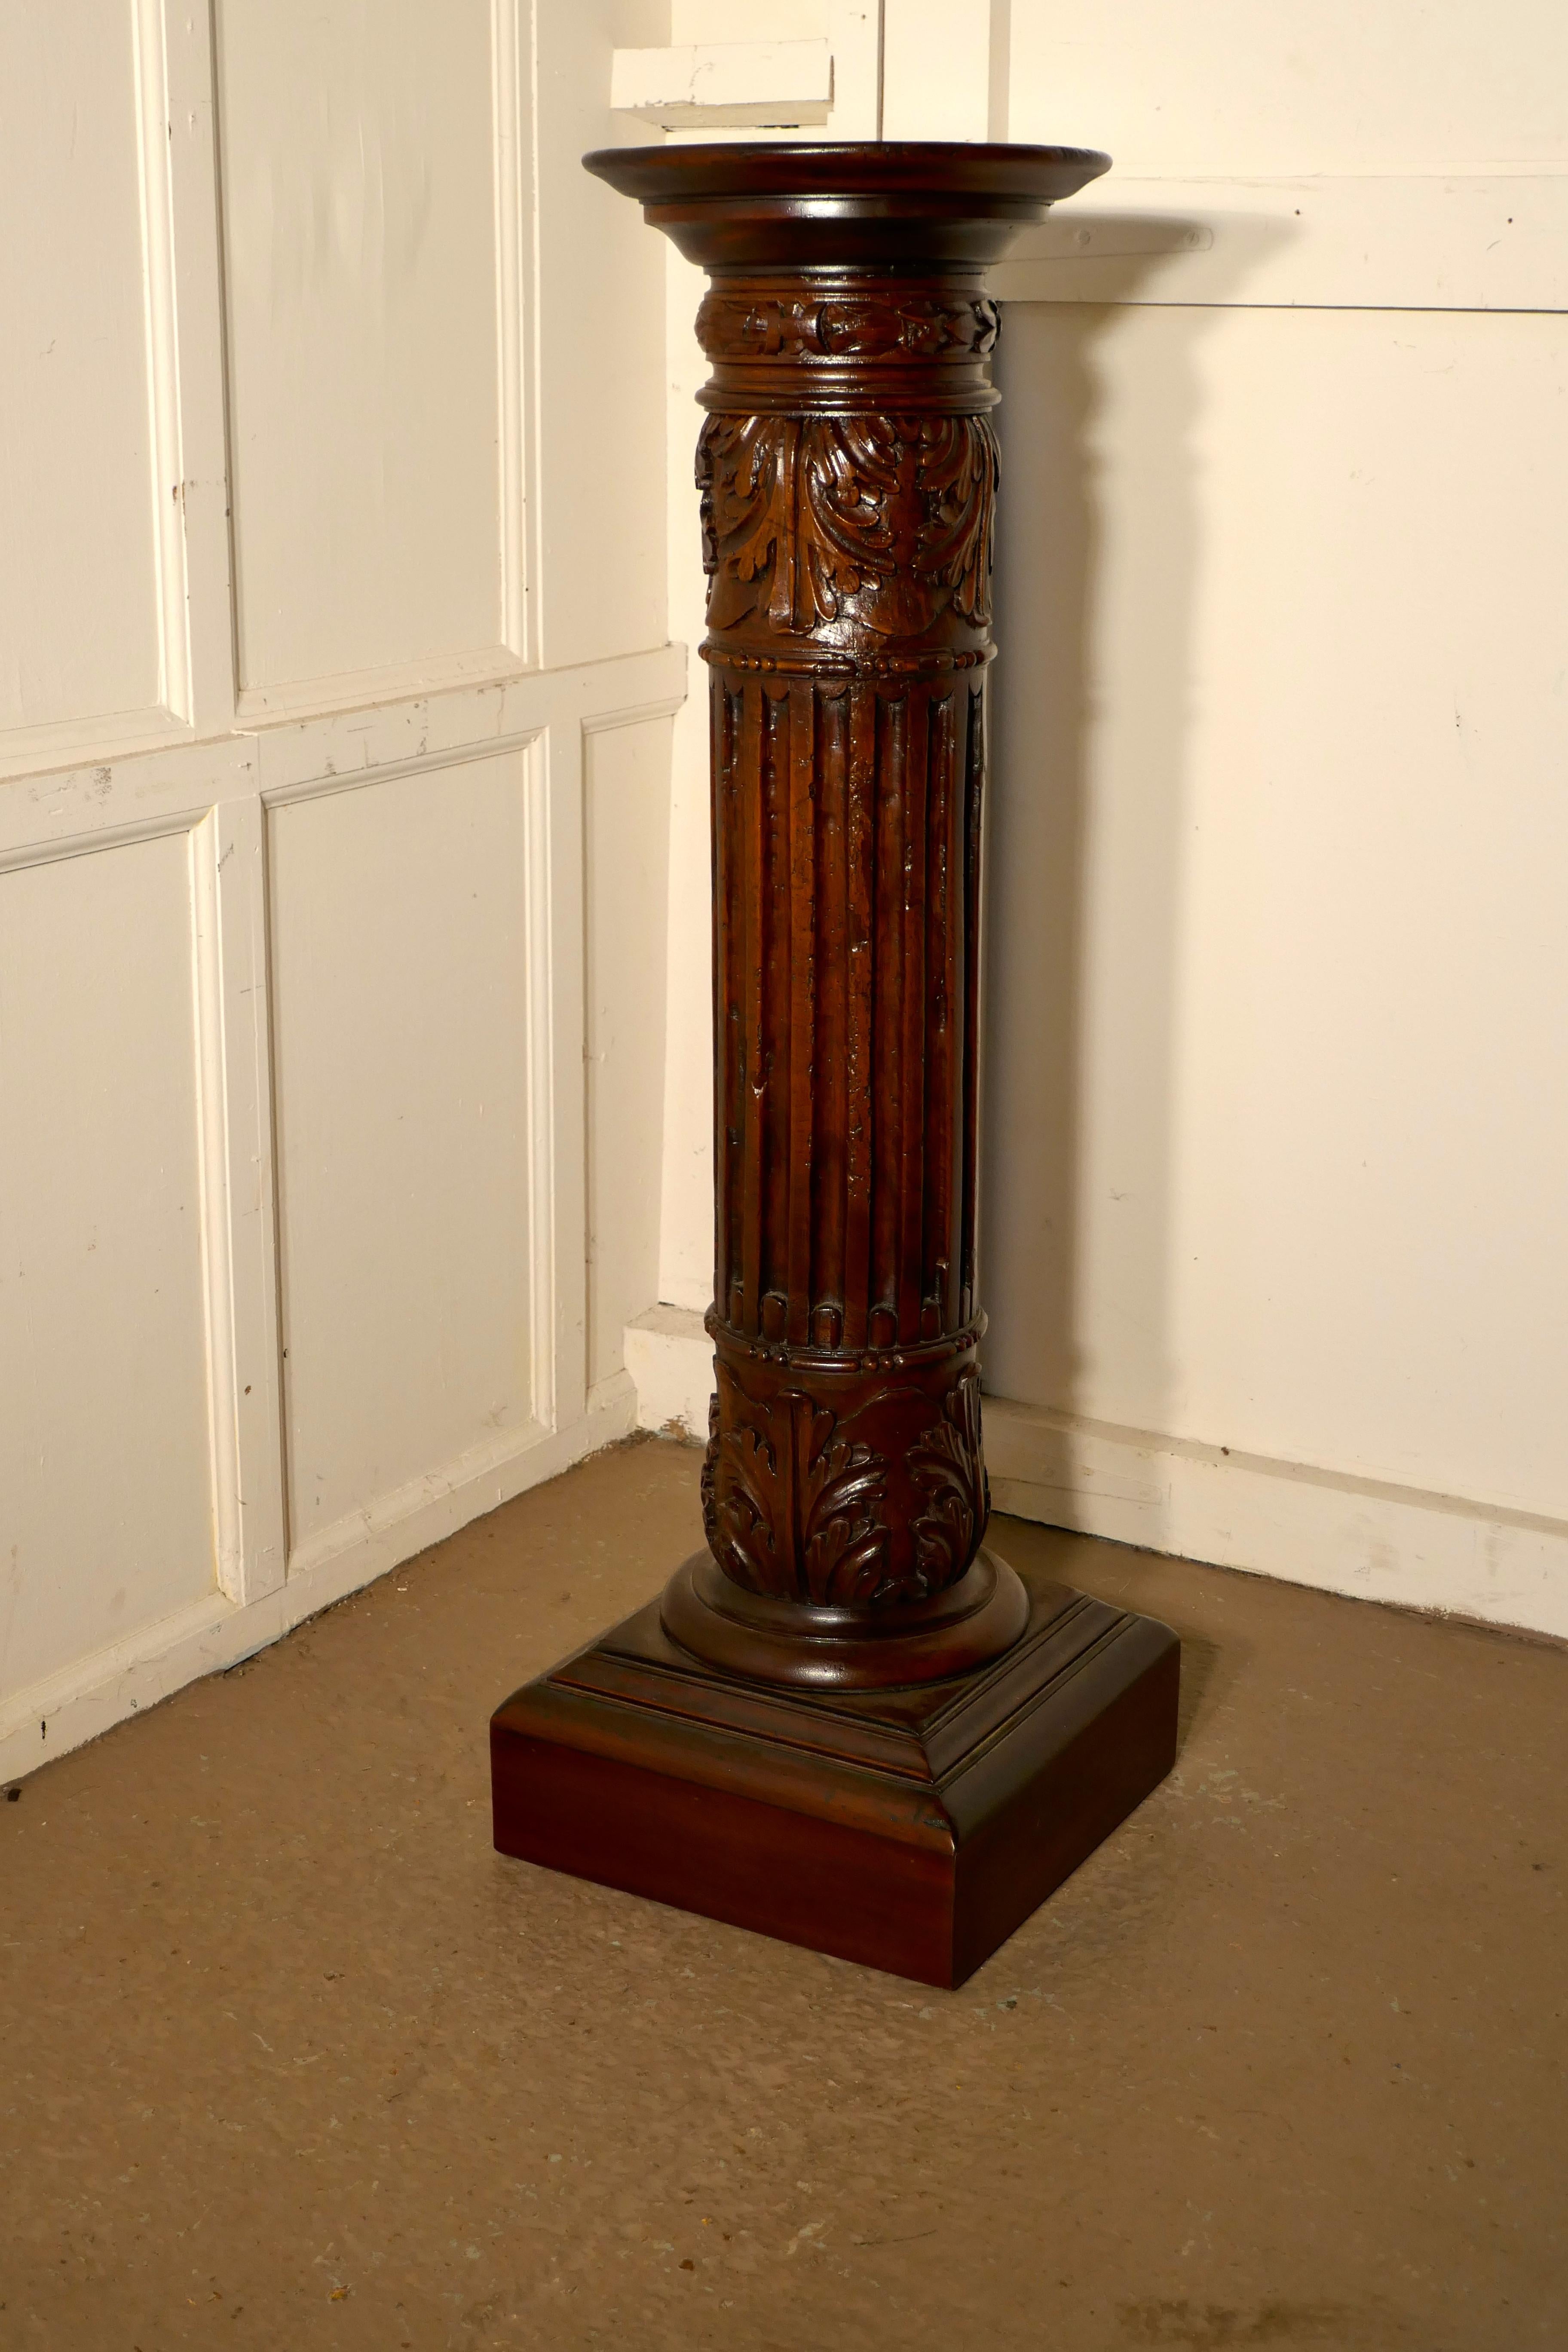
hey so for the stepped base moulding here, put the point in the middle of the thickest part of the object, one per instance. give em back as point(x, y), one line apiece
point(849, 1722)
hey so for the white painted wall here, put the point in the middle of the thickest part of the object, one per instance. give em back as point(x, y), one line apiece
point(334, 722)
point(1275, 1151)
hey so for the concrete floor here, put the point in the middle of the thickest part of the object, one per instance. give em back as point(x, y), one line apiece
point(289, 2058)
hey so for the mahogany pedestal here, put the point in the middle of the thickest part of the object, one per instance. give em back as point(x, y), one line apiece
point(848, 1722)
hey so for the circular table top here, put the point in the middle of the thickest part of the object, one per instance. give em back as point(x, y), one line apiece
point(879, 204)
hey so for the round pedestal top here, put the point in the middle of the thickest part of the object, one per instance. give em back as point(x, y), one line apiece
point(898, 203)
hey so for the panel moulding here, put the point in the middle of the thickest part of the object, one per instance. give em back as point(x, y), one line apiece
point(239, 1235)
point(163, 357)
point(515, 76)
point(544, 1155)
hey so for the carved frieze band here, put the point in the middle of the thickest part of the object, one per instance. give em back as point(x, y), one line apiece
point(838, 340)
point(755, 322)
point(871, 1494)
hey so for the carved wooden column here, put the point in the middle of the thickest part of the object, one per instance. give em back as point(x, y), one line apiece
point(848, 1722)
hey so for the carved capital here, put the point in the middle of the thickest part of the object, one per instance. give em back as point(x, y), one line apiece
point(845, 1487)
point(874, 522)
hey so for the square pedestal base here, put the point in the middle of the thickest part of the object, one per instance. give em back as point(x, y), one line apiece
point(911, 1830)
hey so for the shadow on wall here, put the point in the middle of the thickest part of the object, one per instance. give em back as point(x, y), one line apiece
point(1097, 578)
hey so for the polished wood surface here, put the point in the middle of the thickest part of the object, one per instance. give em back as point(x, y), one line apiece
point(847, 472)
point(847, 475)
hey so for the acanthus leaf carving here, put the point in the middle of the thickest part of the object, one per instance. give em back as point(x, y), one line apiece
point(801, 515)
point(947, 1461)
point(846, 1539)
point(786, 1503)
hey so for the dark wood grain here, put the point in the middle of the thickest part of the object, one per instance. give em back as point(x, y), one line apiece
point(847, 475)
point(911, 1830)
point(847, 478)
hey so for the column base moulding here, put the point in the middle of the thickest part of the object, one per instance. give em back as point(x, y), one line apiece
point(910, 1830)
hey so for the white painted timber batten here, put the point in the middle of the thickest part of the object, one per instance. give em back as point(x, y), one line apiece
point(725, 85)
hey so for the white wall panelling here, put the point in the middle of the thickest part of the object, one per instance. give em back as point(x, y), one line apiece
point(105, 1468)
point(292, 1005)
point(114, 607)
point(421, 868)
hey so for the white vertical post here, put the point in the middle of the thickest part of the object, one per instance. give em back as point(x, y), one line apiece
point(944, 69)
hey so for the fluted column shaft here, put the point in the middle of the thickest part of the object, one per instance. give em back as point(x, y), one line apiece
point(848, 474)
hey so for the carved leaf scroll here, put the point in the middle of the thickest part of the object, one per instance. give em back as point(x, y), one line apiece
point(914, 326)
point(789, 1508)
point(801, 515)
point(946, 1460)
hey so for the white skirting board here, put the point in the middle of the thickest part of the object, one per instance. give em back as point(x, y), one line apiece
point(1307, 1525)
point(95, 1692)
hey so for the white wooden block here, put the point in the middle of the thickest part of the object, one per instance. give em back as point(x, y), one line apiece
point(671, 1358)
point(758, 85)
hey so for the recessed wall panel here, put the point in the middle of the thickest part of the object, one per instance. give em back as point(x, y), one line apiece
point(1277, 1141)
point(357, 159)
point(625, 877)
point(78, 595)
point(401, 1073)
point(105, 1483)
